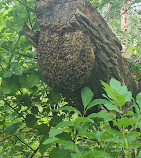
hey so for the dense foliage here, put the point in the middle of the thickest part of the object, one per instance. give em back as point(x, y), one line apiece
point(35, 120)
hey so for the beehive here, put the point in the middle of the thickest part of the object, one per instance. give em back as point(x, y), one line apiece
point(65, 57)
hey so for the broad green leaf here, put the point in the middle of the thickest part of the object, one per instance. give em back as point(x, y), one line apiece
point(30, 120)
point(7, 74)
point(97, 102)
point(120, 100)
point(128, 113)
point(69, 108)
point(51, 140)
point(17, 71)
point(55, 120)
point(101, 114)
point(96, 154)
point(64, 136)
point(59, 153)
point(137, 109)
point(81, 119)
point(86, 134)
point(65, 124)
point(125, 122)
point(86, 95)
point(54, 132)
point(70, 145)
point(112, 93)
point(114, 83)
point(43, 129)
point(55, 96)
point(76, 155)
point(32, 80)
point(138, 99)
point(111, 106)
point(124, 91)
point(10, 85)
point(34, 110)
point(12, 128)
point(139, 155)
point(133, 133)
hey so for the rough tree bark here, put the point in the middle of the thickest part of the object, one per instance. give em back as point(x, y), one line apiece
point(76, 48)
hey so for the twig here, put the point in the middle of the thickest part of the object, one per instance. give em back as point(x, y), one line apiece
point(24, 131)
point(14, 109)
point(24, 143)
point(26, 6)
point(24, 55)
point(13, 50)
point(119, 15)
point(35, 151)
point(28, 14)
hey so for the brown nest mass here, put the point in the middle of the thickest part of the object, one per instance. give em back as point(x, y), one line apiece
point(65, 57)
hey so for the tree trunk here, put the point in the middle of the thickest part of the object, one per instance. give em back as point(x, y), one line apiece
point(76, 48)
point(124, 27)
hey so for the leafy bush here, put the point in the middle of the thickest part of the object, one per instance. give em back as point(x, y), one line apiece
point(63, 131)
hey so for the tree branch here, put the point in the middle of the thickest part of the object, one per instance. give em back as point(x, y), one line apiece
point(28, 14)
point(119, 15)
point(24, 131)
point(14, 109)
point(26, 6)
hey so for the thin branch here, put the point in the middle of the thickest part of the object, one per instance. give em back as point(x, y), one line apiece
point(14, 109)
point(12, 51)
point(24, 131)
point(24, 55)
point(24, 143)
point(26, 6)
point(119, 15)
point(35, 151)
point(28, 14)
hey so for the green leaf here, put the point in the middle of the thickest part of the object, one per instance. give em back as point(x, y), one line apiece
point(7, 74)
point(59, 153)
point(43, 129)
point(55, 120)
point(51, 140)
point(65, 124)
point(115, 84)
point(54, 132)
point(97, 102)
point(86, 134)
point(69, 145)
point(30, 120)
point(10, 85)
point(101, 114)
point(34, 110)
point(69, 108)
point(76, 155)
point(81, 119)
point(17, 71)
point(125, 122)
point(32, 80)
point(120, 100)
point(128, 113)
point(138, 99)
point(86, 95)
point(111, 106)
point(96, 154)
point(109, 90)
point(139, 155)
point(64, 136)
point(12, 128)
point(55, 96)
